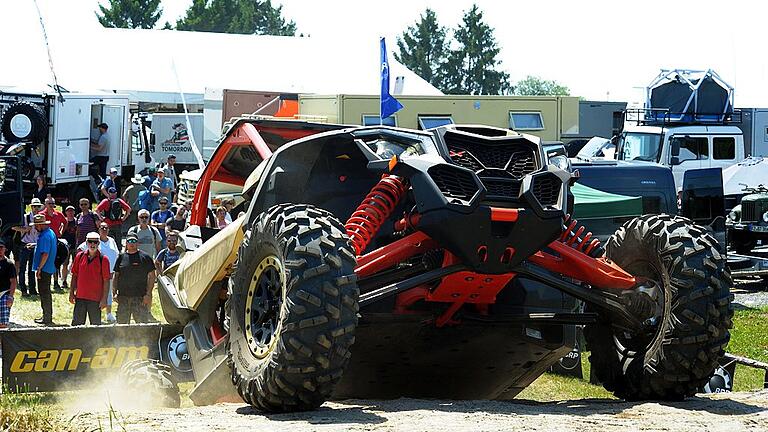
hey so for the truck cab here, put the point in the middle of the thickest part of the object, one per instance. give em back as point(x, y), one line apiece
point(682, 148)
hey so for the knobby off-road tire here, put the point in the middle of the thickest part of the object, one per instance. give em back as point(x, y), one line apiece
point(153, 380)
point(293, 309)
point(678, 358)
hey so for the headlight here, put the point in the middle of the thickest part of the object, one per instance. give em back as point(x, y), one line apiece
point(765, 217)
point(733, 216)
point(561, 162)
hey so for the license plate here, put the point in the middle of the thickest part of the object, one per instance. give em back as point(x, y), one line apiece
point(758, 228)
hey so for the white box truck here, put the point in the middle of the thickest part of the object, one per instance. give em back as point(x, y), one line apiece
point(51, 134)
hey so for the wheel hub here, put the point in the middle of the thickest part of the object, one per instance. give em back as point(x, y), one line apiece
point(263, 306)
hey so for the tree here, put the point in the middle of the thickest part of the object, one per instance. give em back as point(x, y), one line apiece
point(422, 48)
point(130, 14)
point(535, 86)
point(236, 16)
point(472, 67)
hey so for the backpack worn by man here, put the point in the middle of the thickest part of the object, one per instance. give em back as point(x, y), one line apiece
point(115, 212)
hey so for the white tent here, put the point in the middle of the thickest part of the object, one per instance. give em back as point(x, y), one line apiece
point(751, 172)
point(146, 63)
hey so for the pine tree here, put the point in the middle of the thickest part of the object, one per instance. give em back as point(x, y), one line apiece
point(236, 16)
point(472, 67)
point(130, 14)
point(422, 48)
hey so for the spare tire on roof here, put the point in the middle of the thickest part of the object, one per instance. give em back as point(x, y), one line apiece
point(24, 121)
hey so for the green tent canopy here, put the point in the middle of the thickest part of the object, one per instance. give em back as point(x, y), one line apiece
point(593, 203)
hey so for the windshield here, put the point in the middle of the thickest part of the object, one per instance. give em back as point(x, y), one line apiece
point(594, 148)
point(640, 146)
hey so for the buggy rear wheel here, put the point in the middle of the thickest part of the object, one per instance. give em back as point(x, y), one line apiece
point(675, 354)
point(153, 380)
point(293, 309)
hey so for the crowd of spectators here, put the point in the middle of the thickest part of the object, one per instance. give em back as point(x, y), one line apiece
point(112, 252)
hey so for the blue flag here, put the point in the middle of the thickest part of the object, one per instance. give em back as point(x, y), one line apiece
point(389, 105)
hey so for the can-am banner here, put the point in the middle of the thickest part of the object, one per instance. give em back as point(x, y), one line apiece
point(69, 358)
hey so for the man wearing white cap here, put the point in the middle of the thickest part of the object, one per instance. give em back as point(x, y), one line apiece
point(110, 182)
point(90, 282)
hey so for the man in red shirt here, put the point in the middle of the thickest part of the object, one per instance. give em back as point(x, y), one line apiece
point(56, 218)
point(58, 223)
point(91, 273)
point(114, 211)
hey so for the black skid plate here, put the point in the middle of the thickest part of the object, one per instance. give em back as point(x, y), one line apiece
point(406, 356)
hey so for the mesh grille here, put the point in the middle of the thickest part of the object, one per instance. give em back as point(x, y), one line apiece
point(516, 161)
point(502, 188)
point(546, 189)
point(453, 183)
point(749, 211)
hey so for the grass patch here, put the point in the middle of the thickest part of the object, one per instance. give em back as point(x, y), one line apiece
point(749, 338)
point(29, 412)
point(551, 387)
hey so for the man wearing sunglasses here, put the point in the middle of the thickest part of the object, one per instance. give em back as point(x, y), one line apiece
point(90, 283)
point(114, 211)
point(148, 236)
point(108, 247)
point(133, 283)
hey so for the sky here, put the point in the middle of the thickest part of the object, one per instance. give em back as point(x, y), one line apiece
point(601, 50)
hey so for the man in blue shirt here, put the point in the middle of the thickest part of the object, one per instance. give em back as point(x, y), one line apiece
point(160, 217)
point(44, 267)
point(163, 185)
point(111, 182)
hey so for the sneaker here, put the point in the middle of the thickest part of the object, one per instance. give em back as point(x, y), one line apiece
point(43, 321)
point(111, 318)
point(65, 286)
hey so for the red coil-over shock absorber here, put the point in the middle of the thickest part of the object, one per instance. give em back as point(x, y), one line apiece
point(572, 237)
point(375, 209)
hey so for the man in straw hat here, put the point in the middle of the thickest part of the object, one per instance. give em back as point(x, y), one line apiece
point(27, 283)
point(131, 196)
point(43, 266)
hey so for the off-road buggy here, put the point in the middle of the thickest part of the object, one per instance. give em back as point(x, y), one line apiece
point(379, 262)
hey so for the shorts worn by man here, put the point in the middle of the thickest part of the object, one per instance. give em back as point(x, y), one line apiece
point(133, 282)
point(91, 273)
point(7, 287)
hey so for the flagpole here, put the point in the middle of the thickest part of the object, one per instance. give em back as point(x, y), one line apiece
point(381, 120)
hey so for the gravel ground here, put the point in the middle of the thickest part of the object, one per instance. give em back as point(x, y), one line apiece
point(719, 412)
point(751, 293)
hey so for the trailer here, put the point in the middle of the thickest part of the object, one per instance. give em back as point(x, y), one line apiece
point(170, 134)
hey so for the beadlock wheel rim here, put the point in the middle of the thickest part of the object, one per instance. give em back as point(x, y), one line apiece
point(263, 306)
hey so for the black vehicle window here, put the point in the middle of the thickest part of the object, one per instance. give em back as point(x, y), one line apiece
point(724, 148)
point(693, 148)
